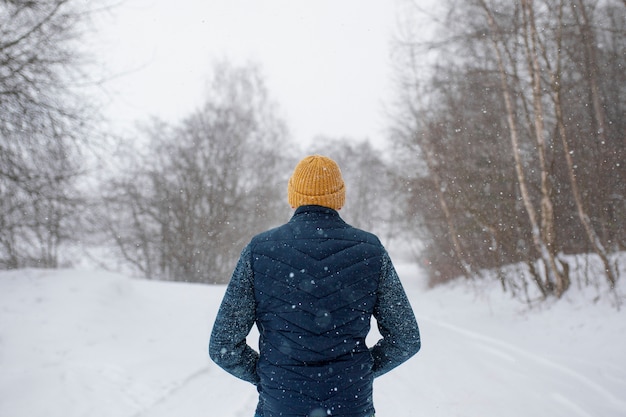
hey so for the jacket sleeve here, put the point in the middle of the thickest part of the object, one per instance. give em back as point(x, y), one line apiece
point(396, 323)
point(235, 318)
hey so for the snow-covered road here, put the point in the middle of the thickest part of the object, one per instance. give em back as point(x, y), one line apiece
point(90, 343)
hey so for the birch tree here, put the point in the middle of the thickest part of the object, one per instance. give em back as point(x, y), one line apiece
point(554, 71)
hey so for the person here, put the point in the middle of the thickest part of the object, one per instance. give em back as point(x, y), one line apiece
point(312, 286)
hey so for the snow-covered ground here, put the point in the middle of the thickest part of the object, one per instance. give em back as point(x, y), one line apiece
point(88, 343)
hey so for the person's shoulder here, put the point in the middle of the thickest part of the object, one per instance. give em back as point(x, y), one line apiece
point(272, 234)
point(363, 235)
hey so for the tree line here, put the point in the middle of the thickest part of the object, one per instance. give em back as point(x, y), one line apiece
point(518, 125)
point(507, 147)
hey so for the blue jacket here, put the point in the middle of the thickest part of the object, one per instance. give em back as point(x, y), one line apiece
point(311, 286)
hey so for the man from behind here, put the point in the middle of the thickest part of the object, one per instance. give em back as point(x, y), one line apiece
point(311, 286)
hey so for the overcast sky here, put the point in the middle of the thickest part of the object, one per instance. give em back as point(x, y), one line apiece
point(326, 62)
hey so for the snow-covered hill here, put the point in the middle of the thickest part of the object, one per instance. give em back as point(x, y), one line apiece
point(85, 343)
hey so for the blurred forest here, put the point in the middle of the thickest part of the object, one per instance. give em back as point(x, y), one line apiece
point(506, 146)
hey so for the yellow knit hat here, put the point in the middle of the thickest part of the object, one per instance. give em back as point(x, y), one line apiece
point(317, 181)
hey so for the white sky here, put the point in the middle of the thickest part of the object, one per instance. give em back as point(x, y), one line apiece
point(326, 62)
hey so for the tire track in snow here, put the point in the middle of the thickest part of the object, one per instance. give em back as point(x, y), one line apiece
point(599, 389)
point(179, 385)
point(203, 389)
point(570, 405)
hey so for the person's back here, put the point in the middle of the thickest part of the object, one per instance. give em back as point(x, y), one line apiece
point(315, 283)
point(312, 286)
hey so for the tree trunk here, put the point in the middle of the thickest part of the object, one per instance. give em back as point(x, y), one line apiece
point(552, 270)
point(592, 65)
point(547, 209)
point(592, 236)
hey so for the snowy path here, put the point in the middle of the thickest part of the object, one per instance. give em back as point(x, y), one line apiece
point(462, 370)
point(102, 345)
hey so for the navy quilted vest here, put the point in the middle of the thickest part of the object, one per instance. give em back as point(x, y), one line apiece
point(315, 281)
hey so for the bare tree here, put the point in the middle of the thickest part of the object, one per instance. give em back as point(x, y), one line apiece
point(43, 122)
point(547, 235)
point(204, 186)
point(555, 74)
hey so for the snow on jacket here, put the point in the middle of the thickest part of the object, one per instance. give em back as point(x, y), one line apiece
point(311, 286)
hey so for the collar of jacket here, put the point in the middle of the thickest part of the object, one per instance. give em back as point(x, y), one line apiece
point(308, 213)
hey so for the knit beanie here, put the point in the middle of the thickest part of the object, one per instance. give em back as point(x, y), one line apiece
point(317, 181)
